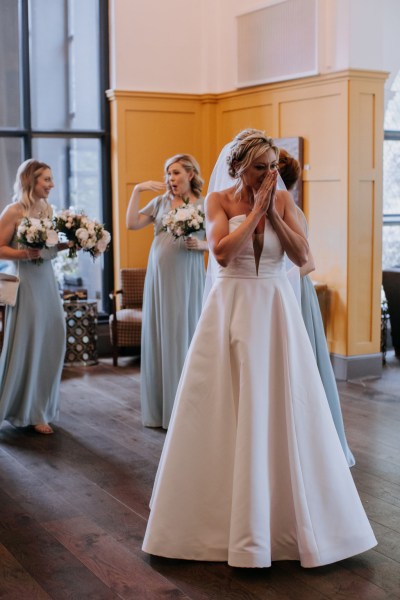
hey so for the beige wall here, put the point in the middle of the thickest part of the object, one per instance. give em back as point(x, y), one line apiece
point(339, 116)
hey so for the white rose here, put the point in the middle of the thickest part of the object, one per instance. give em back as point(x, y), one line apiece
point(181, 214)
point(90, 242)
point(106, 236)
point(102, 245)
point(82, 234)
point(52, 238)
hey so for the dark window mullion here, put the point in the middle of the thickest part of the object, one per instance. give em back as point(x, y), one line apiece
point(69, 133)
point(392, 135)
point(25, 77)
point(108, 274)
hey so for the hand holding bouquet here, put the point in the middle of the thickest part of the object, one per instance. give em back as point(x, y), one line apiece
point(37, 233)
point(82, 233)
point(184, 220)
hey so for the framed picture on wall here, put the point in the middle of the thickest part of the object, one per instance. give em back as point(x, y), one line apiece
point(294, 146)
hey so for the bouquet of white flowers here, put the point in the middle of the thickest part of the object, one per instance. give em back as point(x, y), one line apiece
point(184, 220)
point(86, 234)
point(37, 233)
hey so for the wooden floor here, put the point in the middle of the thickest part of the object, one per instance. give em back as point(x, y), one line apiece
point(73, 506)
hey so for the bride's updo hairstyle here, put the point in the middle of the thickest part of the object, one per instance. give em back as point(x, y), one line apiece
point(25, 181)
point(190, 164)
point(246, 147)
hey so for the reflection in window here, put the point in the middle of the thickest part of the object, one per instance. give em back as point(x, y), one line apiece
point(10, 110)
point(10, 159)
point(392, 114)
point(391, 181)
point(75, 165)
point(53, 77)
point(391, 246)
point(64, 64)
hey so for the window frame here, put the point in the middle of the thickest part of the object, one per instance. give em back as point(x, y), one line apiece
point(392, 218)
point(26, 133)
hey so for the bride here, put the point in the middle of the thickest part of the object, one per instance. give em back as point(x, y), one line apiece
point(252, 469)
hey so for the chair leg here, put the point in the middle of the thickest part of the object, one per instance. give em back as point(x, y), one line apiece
point(115, 356)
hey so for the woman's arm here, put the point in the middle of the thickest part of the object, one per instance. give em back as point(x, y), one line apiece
point(9, 219)
point(288, 228)
point(134, 219)
point(309, 266)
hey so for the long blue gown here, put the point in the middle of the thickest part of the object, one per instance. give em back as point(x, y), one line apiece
point(315, 328)
point(172, 305)
point(33, 351)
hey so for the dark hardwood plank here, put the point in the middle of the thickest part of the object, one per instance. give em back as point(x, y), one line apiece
point(15, 582)
point(53, 567)
point(73, 506)
point(111, 562)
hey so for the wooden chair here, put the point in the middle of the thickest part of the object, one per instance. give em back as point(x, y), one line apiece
point(126, 321)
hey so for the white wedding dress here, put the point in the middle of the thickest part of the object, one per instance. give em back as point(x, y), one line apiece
point(252, 469)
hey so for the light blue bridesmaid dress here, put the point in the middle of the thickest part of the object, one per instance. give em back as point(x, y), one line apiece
point(33, 351)
point(172, 305)
point(315, 328)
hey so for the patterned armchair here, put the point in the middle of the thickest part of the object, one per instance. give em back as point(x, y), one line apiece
point(126, 321)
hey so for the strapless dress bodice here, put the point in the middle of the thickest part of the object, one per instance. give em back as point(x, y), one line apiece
point(271, 263)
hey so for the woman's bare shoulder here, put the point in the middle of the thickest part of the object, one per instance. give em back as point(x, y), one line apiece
point(285, 199)
point(221, 196)
point(12, 211)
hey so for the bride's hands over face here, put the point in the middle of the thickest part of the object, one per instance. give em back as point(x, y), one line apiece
point(264, 197)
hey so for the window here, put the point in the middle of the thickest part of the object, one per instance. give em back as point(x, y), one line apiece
point(53, 77)
point(391, 181)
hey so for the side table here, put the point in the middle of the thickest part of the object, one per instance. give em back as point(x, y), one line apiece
point(81, 321)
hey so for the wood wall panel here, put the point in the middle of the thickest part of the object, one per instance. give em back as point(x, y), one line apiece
point(360, 311)
point(365, 215)
point(327, 221)
point(340, 118)
point(146, 130)
point(322, 121)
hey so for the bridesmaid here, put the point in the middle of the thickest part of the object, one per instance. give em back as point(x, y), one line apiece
point(173, 287)
point(33, 351)
point(290, 171)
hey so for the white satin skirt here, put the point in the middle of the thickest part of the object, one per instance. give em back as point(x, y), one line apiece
point(252, 469)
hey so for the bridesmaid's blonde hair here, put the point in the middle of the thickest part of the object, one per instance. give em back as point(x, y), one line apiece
point(25, 181)
point(190, 164)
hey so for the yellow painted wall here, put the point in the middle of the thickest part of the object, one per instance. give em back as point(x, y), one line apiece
point(340, 117)
point(146, 130)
